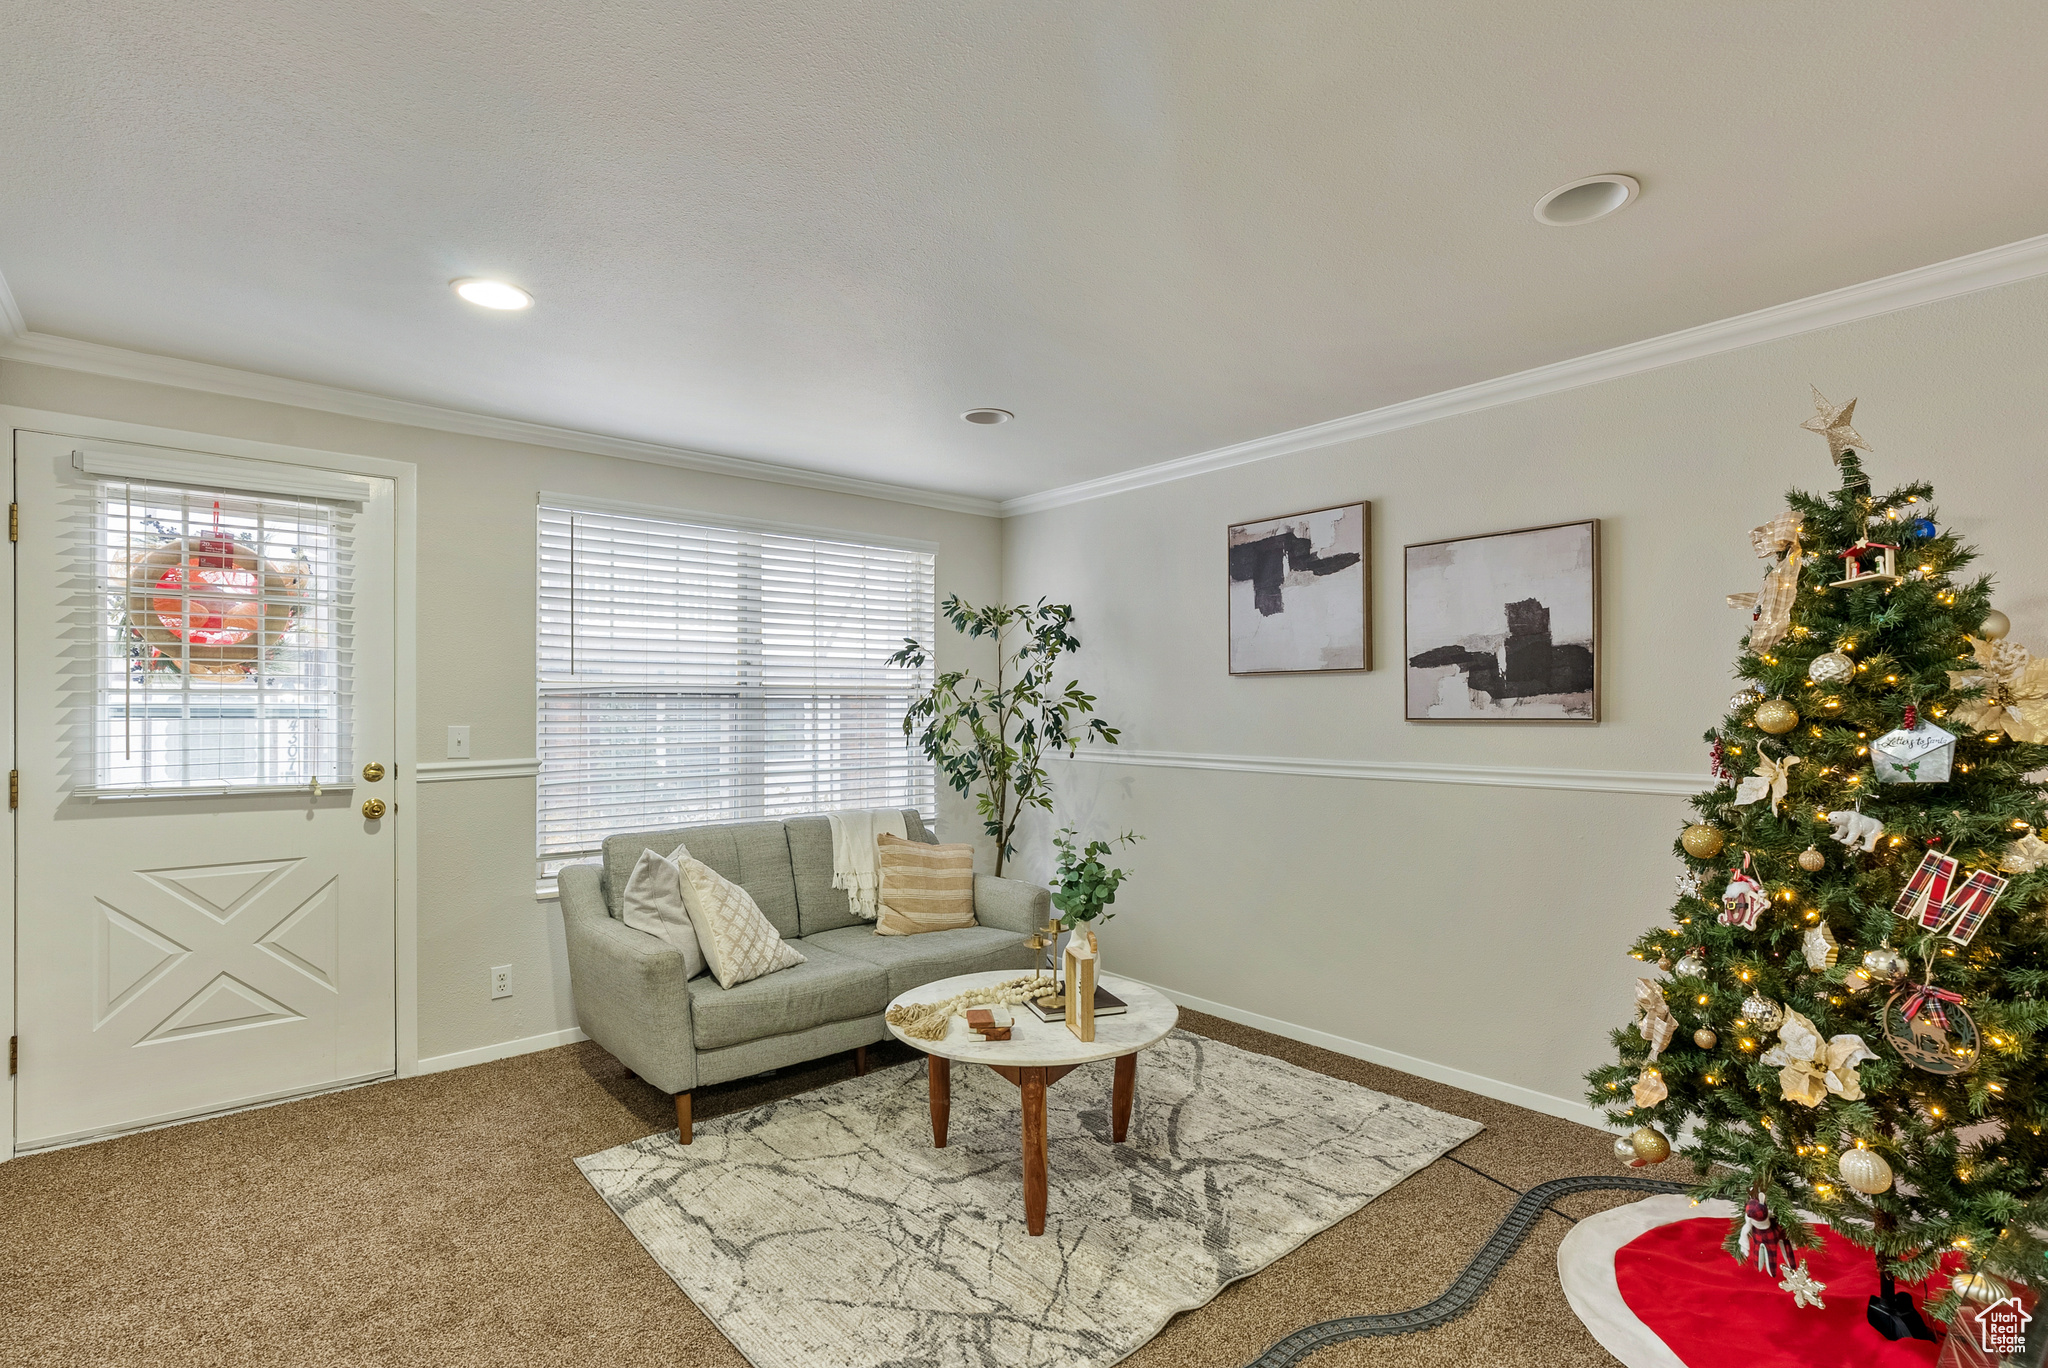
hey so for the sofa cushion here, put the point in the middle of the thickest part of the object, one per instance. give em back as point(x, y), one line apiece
point(913, 961)
point(737, 941)
point(823, 989)
point(924, 888)
point(820, 906)
point(653, 902)
point(754, 855)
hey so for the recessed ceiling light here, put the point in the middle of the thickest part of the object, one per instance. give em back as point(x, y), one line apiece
point(1582, 201)
point(988, 417)
point(492, 294)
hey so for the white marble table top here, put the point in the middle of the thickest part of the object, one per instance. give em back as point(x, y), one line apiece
point(1035, 1044)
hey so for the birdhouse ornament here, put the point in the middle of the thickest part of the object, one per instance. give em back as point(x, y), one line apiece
point(1917, 753)
point(1869, 562)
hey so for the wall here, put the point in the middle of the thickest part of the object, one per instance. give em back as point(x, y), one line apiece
point(476, 594)
point(1482, 929)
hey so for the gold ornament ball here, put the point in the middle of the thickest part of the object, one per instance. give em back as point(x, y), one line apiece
point(1884, 964)
point(1980, 1289)
point(1625, 1149)
point(1995, 626)
point(1812, 861)
point(1832, 668)
point(1650, 1145)
point(1865, 1170)
point(1761, 1012)
point(1702, 840)
point(1705, 1038)
point(1664, 963)
point(1776, 716)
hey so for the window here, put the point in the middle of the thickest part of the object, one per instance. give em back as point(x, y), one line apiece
point(222, 645)
point(704, 672)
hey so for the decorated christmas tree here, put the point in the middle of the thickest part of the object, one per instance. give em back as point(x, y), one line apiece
point(1852, 996)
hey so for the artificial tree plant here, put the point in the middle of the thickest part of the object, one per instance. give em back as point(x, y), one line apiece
point(991, 738)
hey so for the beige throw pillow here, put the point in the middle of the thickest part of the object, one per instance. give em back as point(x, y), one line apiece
point(924, 887)
point(653, 902)
point(738, 940)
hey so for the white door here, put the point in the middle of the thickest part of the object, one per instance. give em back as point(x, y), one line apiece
point(204, 670)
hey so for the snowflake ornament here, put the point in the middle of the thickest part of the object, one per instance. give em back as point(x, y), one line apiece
point(1804, 1287)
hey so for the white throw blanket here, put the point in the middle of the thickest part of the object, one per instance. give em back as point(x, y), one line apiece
point(853, 854)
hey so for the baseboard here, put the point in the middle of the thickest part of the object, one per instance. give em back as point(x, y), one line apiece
point(504, 1049)
point(1408, 1064)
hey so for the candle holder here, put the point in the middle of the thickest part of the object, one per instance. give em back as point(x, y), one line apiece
point(1047, 939)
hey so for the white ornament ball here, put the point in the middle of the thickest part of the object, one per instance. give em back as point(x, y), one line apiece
point(1624, 1149)
point(1995, 626)
point(1865, 1170)
point(1832, 668)
point(1979, 1288)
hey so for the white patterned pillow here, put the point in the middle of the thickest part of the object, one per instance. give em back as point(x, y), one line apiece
point(653, 902)
point(738, 940)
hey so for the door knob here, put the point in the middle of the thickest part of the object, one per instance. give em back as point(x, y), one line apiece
point(373, 808)
point(373, 772)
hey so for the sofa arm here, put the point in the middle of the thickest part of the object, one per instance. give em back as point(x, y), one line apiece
point(631, 989)
point(1011, 904)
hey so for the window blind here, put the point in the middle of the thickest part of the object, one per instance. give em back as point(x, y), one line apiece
point(690, 673)
point(221, 642)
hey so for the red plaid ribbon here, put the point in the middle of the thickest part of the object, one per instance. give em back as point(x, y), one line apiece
point(1928, 998)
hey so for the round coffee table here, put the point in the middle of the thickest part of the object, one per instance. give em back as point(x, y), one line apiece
point(1037, 1055)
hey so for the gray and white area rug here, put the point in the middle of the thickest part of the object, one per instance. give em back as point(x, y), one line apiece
point(826, 1230)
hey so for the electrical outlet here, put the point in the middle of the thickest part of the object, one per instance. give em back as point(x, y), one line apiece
point(458, 743)
point(501, 980)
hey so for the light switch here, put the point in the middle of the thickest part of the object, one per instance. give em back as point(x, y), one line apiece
point(458, 743)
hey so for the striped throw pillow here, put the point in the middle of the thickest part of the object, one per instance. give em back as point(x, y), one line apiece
point(924, 887)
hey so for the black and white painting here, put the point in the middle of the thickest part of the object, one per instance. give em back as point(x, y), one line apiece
point(1505, 626)
point(1298, 592)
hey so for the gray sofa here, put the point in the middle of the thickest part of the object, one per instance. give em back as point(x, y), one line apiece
point(632, 998)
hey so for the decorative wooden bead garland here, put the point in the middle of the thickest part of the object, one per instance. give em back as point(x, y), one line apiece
point(928, 1020)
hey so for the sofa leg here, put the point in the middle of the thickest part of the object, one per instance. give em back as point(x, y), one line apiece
point(682, 1118)
point(860, 1061)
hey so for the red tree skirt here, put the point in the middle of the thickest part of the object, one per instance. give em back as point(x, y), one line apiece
point(1717, 1313)
point(1653, 1284)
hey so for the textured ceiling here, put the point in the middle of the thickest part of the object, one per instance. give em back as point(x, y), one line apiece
point(814, 233)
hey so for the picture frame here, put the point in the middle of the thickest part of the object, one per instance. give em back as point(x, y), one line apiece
point(1298, 592)
point(1503, 626)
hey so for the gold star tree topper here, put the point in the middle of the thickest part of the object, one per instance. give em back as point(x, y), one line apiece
point(1833, 423)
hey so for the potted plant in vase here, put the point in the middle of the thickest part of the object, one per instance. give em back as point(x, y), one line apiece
point(1083, 887)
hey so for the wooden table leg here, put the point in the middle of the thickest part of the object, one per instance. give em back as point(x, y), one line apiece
point(1121, 1092)
point(1033, 1084)
point(941, 1080)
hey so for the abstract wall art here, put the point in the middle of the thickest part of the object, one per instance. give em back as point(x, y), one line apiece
point(1505, 626)
point(1298, 592)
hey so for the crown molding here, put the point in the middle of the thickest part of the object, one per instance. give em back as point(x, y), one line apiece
point(95, 358)
point(1963, 275)
point(11, 323)
point(1661, 785)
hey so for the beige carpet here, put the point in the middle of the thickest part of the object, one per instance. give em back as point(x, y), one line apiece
point(441, 1220)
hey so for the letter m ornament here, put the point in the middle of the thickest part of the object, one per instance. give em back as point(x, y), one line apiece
point(1935, 897)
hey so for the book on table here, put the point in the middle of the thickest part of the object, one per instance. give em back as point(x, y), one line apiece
point(1106, 1004)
